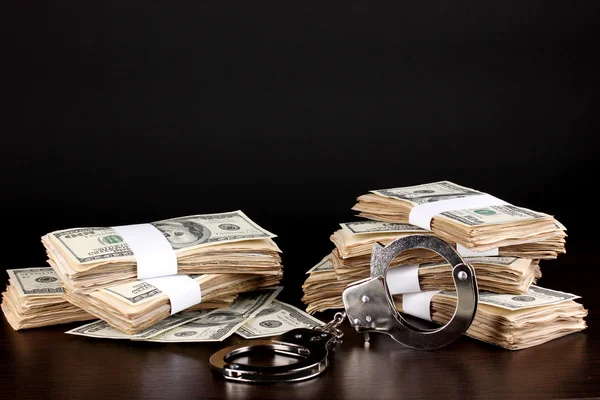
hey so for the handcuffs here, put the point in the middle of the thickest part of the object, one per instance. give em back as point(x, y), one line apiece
point(369, 307)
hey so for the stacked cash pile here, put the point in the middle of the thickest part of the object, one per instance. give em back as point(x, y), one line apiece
point(225, 254)
point(323, 288)
point(138, 305)
point(34, 298)
point(504, 244)
point(479, 228)
point(515, 322)
point(91, 258)
point(350, 261)
point(252, 315)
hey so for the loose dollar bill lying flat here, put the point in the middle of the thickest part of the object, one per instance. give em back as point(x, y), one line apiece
point(101, 329)
point(535, 297)
point(35, 281)
point(91, 245)
point(276, 319)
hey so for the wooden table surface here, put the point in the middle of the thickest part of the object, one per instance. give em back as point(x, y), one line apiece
point(46, 363)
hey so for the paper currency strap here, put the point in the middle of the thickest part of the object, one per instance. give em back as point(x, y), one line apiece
point(418, 304)
point(153, 253)
point(183, 291)
point(403, 279)
point(422, 214)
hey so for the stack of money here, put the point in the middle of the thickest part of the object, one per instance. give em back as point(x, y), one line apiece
point(135, 306)
point(226, 254)
point(504, 244)
point(356, 239)
point(87, 259)
point(515, 322)
point(479, 228)
point(252, 315)
point(323, 288)
point(34, 298)
point(350, 261)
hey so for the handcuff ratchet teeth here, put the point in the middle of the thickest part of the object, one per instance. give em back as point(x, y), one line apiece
point(369, 308)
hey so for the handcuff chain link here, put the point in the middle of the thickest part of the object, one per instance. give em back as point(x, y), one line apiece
point(332, 326)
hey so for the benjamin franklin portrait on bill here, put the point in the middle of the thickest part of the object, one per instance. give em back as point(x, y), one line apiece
point(182, 234)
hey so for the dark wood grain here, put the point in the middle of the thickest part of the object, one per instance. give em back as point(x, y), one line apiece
point(46, 363)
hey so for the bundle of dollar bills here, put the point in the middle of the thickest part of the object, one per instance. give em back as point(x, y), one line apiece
point(252, 315)
point(356, 239)
point(515, 239)
point(225, 254)
point(322, 288)
point(34, 298)
point(515, 322)
point(135, 306)
point(478, 228)
point(351, 259)
point(88, 259)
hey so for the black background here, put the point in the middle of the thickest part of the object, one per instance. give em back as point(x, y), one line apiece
point(143, 111)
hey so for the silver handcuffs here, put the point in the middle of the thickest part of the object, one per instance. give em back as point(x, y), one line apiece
point(369, 308)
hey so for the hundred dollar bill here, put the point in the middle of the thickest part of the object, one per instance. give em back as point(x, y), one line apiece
point(276, 319)
point(219, 324)
point(535, 297)
point(91, 245)
point(35, 281)
point(365, 227)
point(428, 193)
point(324, 265)
point(101, 329)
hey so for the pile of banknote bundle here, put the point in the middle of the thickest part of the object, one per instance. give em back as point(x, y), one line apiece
point(34, 298)
point(350, 260)
point(515, 322)
point(92, 258)
point(503, 242)
point(252, 315)
point(225, 254)
point(135, 306)
point(478, 228)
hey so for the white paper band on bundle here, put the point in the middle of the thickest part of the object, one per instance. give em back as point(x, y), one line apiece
point(418, 304)
point(153, 252)
point(183, 291)
point(403, 279)
point(422, 214)
point(463, 251)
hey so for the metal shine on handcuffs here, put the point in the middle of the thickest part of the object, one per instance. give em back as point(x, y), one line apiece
point(369, 308)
